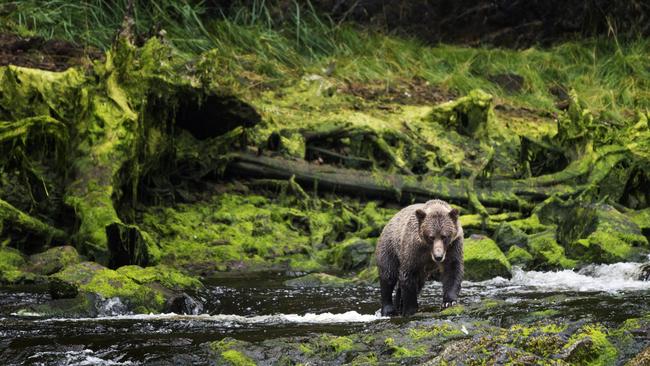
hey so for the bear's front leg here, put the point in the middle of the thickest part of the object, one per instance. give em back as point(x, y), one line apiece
point(408, 284)
point(452, 277)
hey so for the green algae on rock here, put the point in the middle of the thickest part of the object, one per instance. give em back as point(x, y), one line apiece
point(484, 259)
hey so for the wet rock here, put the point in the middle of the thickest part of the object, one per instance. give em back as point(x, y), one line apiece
point(352, 254)
point(641, 359)
point(53, 260)
point(111, 307)
point(511, 83)
point(318, 280)
point(484, 259)
point(508, 235)
point(183, 304)
point(83, 305)
point(644, 272)
point(578, 347)
point(60, 289)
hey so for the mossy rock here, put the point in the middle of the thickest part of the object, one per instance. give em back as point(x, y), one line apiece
point(351, 254)
point(519, 257)
point(12, 267)
point(484, 259)
point(547, 254)
point(507, 236)
point(142, 290)
point(318, 280)
point(642, 219)
point(53, 260)
point(229, 351)
point(590, 346)
point(598, 233)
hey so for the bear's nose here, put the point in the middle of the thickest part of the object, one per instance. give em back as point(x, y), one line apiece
point(437, 258)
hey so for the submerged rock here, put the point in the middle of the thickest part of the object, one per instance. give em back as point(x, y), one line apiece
point(53, 260)
point(484, 259)
point(183, 304)
point(318, 280)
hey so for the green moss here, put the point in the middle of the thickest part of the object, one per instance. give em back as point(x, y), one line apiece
point(544, 313)
point(600, 352)
point(168, 277)
point(12, 265)
point(469, 115)
point(542, 340)
point(547, 253)
point(443, 330)
point(529, 225)
point(236, 358)
point(369, 359)
point(228, 353)
point(338, 345)
point(401, 351)
point(484, 260)
point(351, 254)
point(453, 310)
point(518, 256)
point(641, 218)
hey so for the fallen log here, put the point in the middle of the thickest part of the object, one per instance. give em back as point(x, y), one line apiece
point(513, 194)
point(15, 219)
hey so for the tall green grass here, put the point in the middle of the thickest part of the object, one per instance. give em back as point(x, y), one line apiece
point(608, 75)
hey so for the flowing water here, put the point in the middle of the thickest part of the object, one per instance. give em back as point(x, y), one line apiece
point(260, 307)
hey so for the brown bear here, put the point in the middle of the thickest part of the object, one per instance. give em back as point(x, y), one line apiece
point(416, 240)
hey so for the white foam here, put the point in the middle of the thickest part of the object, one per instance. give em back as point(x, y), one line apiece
point(85, 357)
point(231, 319)
point(611, 278)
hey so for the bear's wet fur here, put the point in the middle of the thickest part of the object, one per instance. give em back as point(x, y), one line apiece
point(405, 255)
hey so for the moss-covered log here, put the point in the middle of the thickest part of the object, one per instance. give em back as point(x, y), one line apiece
point(13, 219)
point(512, 194)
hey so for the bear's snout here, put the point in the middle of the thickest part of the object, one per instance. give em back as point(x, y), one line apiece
point(438, 252)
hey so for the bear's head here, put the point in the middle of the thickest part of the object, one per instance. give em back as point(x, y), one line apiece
point(438, 228)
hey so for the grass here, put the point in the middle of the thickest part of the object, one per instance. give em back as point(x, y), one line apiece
point(608, 75)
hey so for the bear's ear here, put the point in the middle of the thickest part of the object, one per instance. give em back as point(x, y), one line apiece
point(454, 214)
point(420, 214)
